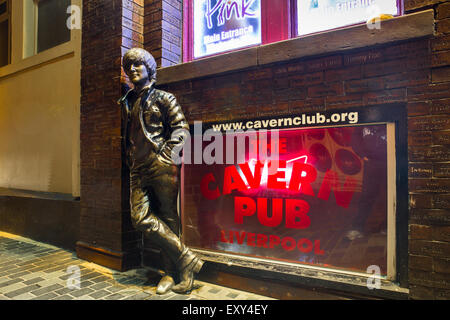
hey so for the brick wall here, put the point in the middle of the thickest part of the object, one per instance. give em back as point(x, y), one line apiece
point(163, 30)
point(106, 235)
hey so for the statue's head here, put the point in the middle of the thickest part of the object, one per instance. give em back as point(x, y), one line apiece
point(139, 65)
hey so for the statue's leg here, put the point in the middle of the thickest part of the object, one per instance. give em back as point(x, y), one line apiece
point(164, 193)
point(143, 219)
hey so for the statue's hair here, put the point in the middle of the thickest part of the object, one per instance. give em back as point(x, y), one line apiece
point(140, 55)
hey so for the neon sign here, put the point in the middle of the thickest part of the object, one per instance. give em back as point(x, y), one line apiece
point(296, 208)
point(226, 9)
point(319, 15)
point(221, 25)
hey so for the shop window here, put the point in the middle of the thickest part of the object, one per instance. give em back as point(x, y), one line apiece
point(320, 15)
point(45, 25)
point(5, 32)
point(219, 26)
point(326, 199)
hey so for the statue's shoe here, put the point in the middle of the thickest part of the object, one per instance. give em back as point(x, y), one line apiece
point(165, 285)
point(187, 276)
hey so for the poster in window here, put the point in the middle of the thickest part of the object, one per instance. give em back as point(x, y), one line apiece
point(323, 203)
point(320, 15)
point(224, 25)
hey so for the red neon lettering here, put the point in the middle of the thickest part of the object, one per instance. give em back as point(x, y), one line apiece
point(240, 237)
point(251, 239)
point(272, 180)
point(204, 187)
point(243, 206)
point(297, 209)
point(277, 212)
point(317, 249)
point(301, 246)
point(261, 240)
point(285, 241)
point(232, 180)
point(273, 241)
point(254, 181)
point(303, 181)
point(343, 194)
point(222, 236)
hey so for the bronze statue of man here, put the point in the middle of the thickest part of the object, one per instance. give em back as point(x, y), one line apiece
point(152, 127)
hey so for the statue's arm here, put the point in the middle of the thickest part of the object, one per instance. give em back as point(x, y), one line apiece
point(177, 126)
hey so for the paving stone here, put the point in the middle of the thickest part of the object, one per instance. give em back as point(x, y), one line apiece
point(20, 291)
point(64, 291)
point(19, 275)
point(12, 287)
point(100, 294)
point(138, 296)
point(81, 292)
point(46, 296)
point(100, 286)
point(63, 297)
point(114, 296)
point(33, 281)
point(47, 289)
point(24, 296)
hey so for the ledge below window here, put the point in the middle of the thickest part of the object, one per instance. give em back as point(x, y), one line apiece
point(19, 193)
point(406, 27)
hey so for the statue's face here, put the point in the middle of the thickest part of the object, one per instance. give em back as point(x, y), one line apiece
point(137, 73)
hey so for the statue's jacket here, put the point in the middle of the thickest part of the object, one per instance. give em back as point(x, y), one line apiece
point(161, 120)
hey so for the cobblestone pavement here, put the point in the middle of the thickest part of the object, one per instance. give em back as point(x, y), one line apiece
point(31, 270)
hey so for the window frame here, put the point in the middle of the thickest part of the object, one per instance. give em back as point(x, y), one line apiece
point(36, 28)
point(397, 223)
point(279, 31)
point(7, 17)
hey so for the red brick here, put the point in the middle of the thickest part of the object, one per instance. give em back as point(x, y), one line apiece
point(421, 201)
point(440, 43)
point(440, 74)
point(418, 232)
point(443, 26)
point(441, 233)
point(420, 138)
point(419, 108)
point(386, 96)
point(420, 263)
point(326, 90)
point(443, 11)
point(364, 85)
point(441, 137)
point(441, 201)
point(440, 59)
point(415, 4)
point(421, 293)
point(420, 170)
point(441, 170)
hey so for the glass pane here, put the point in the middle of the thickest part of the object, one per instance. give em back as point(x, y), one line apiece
point(323, 204)
point(223, 25)
point(319, 15)
point(3, 8)
point(4, 43)
point(52, 28)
